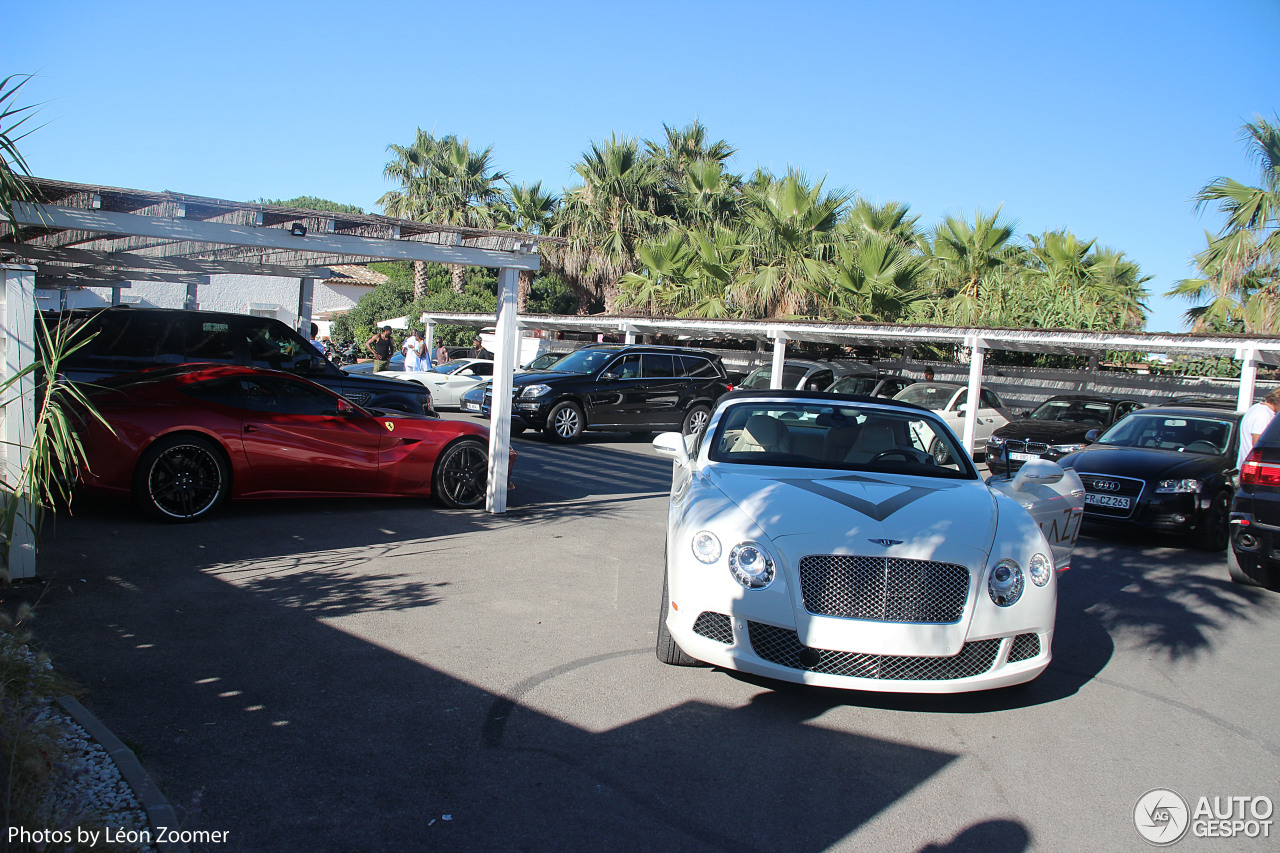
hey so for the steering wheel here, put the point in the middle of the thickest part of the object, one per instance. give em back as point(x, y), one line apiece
point(907, 455)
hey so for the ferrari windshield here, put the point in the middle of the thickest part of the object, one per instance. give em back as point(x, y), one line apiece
point(842, 436)
point(1088, 412)
point(1180, 432)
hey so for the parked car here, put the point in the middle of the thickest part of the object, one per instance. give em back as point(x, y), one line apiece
point(870, 386)
point(948, 401)
point(126, 339)
point(806, 374)
point(1058, 426)
point(636, 388)
point(1164, 468)
point(185, 438)
point(396, 365)
point(1254, 555)
point(449, 381)
point(816, 538)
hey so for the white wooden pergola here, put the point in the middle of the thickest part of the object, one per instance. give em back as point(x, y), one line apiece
point(81, 235)
point(1250, 350)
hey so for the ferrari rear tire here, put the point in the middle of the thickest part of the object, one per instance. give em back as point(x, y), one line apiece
point(181, 478)
point(667, 650)
point(565, 422)
point(461, 476)
point(1214, 533)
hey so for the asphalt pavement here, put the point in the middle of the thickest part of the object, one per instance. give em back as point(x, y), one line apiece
point(377, 675)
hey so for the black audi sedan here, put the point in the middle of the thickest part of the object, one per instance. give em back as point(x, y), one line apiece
point(1254, 558)
point(1166, 468)
point(636, 388)
point(1058, 426)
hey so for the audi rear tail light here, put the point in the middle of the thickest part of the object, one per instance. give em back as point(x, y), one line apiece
point(1255, 472)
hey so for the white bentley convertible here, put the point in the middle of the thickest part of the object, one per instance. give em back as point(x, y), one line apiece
point(815, 538)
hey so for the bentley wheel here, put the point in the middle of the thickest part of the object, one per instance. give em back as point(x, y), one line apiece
point(667, 650)
point(181, 478)
point(696, 421)
point(565, 422)
point(462, 474)
point(1215, 529)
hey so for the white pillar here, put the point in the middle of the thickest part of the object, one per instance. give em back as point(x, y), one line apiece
point(192, 301)
point(505, 345)
point(978, 349)
point(1248, 377)
point(630, 335)
point(429, 332)
point(779, 358)
point(17, 418)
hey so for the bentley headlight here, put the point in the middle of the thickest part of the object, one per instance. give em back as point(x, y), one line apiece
point(531, 391)
point(1172, 487)
point(1066, 448)
point(751, 565)
point(706, 546)
point(1041, 569)
point(1005, 584)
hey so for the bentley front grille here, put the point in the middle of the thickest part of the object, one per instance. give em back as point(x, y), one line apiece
point(782, 646)
point(1025, 647)
point(714, 626)
point(884, 589)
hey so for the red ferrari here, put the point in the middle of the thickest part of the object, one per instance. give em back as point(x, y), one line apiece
point(190, 436)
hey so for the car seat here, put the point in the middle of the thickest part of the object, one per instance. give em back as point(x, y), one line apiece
point(874, 439)
point(763, 434)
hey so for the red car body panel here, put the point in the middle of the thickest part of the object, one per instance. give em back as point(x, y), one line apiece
point(271, 454)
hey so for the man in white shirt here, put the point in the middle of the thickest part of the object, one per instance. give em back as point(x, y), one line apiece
point(1255, 421)
point(413, 352)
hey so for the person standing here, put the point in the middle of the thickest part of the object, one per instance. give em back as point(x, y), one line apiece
point(380, 345)
point(442, 354)
point(1255, 420)
point(315, 340)
point(414, 351)
point(478, 350)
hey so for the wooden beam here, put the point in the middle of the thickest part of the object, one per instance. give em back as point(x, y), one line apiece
point(124, 224)
point(129, 260)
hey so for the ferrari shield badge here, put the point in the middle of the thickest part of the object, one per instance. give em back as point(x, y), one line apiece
point(391, 426)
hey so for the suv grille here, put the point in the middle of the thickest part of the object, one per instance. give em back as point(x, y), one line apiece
point(783, 647)
point(884, 589)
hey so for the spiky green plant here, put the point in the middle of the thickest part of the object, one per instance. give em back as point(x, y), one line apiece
point(13, 168)
point(55, 453)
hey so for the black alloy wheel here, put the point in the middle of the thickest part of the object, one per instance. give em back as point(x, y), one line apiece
point(462, 474)
point(1214, 532)
point(181, 478)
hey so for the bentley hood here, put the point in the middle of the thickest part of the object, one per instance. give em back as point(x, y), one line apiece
point(920, 515)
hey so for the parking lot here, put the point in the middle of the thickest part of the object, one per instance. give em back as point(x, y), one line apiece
point(361, 675)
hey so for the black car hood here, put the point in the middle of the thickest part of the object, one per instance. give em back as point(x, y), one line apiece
point(1143, 463)
point(522, 379)
point(1050, 432)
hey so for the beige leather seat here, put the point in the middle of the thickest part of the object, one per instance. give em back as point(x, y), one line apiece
point(763, 434)
point(873, 440)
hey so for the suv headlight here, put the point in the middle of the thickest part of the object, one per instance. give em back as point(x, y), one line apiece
point(751, 565)
point(1171, 487)
point(1005, 583)
point(532, 391)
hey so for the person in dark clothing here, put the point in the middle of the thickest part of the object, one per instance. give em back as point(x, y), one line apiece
point(478, 350)
point(381, 346)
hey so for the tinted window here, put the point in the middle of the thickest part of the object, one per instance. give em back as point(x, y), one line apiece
point(659, 365)
point(819, 380)
point(275, 394)
point(209, 341)
point(854, 385)
point(699, 368)
point(626, 367)
point(276, 346)
point(989, 399)
point(479, 369)
point(584, 361)
point(128, 341)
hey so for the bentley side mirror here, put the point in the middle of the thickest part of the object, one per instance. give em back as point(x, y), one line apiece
point(672, 445)
point(1041, 472)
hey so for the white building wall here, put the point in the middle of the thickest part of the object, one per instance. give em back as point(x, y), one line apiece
point(240, 294)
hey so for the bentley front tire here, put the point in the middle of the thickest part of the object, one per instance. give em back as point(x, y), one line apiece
point(667, 650)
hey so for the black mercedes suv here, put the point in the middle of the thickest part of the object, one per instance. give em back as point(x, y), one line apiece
point(636, 388)
point(126, 339)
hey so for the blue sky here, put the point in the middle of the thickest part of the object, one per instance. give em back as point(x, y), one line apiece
point(1101, 117)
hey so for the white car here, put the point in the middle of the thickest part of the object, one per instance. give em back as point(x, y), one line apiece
point(815, 538)
point(449, 381)
point(948, 400)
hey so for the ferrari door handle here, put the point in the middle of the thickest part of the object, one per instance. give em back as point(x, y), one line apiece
point(250, 427)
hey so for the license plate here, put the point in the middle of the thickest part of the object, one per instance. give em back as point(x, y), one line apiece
point(471, 407)
point(1023, 457)
point(1106, 500)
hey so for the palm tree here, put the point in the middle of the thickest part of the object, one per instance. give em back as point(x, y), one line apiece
point(1240, 268)
point(444, 182)
point(791, 229)
point(13, 168)
point(528, 210)
point(607, 217)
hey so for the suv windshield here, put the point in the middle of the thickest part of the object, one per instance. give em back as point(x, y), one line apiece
point(584, 361)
